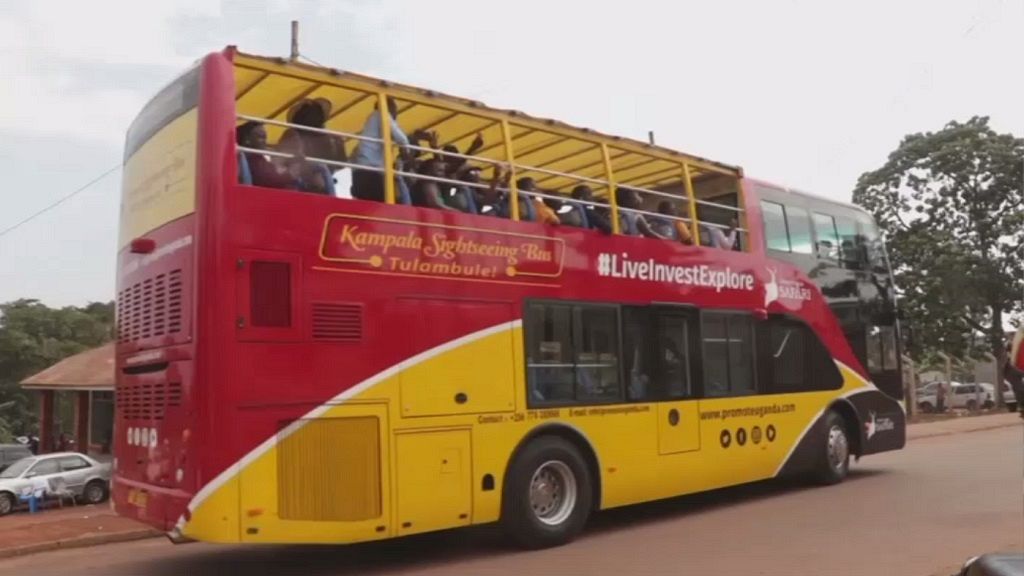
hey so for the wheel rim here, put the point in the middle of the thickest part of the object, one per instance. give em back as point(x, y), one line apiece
point(93, 494)
point(553, 492)
point(5, 505)
point(838, 448)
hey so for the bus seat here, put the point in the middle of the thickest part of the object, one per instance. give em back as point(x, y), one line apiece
point(665, 227)
point(526, 211)
point(328, 179)
point(577, 216)
point(244, 174)
point(627, 223)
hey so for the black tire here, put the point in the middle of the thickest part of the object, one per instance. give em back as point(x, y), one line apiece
point(1011, 406)
point(926, 407)
point(988, 405)
point(6, 503)
point(972, 406)
point(95, 492)
point(546, 520)
point(833, 461)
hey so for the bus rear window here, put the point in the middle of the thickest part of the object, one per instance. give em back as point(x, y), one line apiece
point(174, 100)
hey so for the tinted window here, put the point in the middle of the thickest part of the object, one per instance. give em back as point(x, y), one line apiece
point(572, 353)
point(45, 467)
point(776, 236)
point(636, 352)
point(674, 356)
point(728, 354)
point(850, 245)
point(549, 352)
point(71, 463)
point(795, 359)
point(827, 237)
point(890, 355)
point(595, 340)
point(799, 223)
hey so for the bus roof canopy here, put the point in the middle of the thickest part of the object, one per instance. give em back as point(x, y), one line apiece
point(269, 87)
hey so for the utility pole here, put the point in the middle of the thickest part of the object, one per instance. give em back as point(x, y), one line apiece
point(295, 41)
point(910, 395)
point(650, 137)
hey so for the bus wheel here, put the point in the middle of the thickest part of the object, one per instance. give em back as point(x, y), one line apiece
point(548, 494)
point(834, 459)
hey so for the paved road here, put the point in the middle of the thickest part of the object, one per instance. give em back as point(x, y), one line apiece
point(918, 512)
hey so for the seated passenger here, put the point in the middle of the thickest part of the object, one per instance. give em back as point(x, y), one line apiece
point(427, 193)
point(634, 222)
point(679, 230)
point(312, 176)
point(543, 212)
point(597, 218)
point(314, 114)
point(265, 171)
point(724, 240)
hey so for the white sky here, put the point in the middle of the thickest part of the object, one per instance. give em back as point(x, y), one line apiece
point(809, 94)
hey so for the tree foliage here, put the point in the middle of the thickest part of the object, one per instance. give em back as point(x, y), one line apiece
point(34, 336)
point(952, 207)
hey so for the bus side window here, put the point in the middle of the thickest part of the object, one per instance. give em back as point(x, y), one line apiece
point(827, 237)
point(794, 359)
point(572, 353)
point(728, 354)
point(848, 243)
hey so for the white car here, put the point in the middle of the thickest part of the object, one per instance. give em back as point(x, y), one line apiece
point(77, 475)
point(962, 396)
point(1009, 400)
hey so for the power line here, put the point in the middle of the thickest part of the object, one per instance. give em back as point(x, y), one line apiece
point(60, 201)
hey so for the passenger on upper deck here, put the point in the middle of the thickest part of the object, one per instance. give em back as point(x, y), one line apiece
point(633, 223)
point(312, 176)
point(595, 218)
point(314, 114)
point(264, 171)
point(676, 229)
point(369, 184)
point(455, 166)
point(544, 213)
point(724, 240)
point(427, 193)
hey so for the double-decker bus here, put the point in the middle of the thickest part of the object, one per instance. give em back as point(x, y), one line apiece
point(448, 345)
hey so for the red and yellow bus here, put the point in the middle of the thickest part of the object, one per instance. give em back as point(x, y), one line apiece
point(295, 367)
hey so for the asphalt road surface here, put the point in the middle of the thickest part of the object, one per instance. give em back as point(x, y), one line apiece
point(921, 512)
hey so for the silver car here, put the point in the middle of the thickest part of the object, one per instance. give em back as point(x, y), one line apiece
point(64, 474)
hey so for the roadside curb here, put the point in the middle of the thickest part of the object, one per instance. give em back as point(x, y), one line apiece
point(937, 433)
point(80, 542)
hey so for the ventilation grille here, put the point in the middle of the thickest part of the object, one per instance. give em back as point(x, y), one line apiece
point(150, 308)
point(334, 322)
point(329, 470)
point(147, 400)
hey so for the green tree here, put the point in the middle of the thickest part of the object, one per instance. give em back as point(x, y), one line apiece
point(952, 207)
point(34, 336)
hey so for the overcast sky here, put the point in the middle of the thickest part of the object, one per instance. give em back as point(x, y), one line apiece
point(809, 94)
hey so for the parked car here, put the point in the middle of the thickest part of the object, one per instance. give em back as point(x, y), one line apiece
point(958, 395)
point(11, 453)
point(84, 478)
point(1009, 400)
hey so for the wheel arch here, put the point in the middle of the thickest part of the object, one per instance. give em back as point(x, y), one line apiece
point(573, 435)
point(854, 424)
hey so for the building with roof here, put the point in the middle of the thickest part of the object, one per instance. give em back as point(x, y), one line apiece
point(86, 382)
